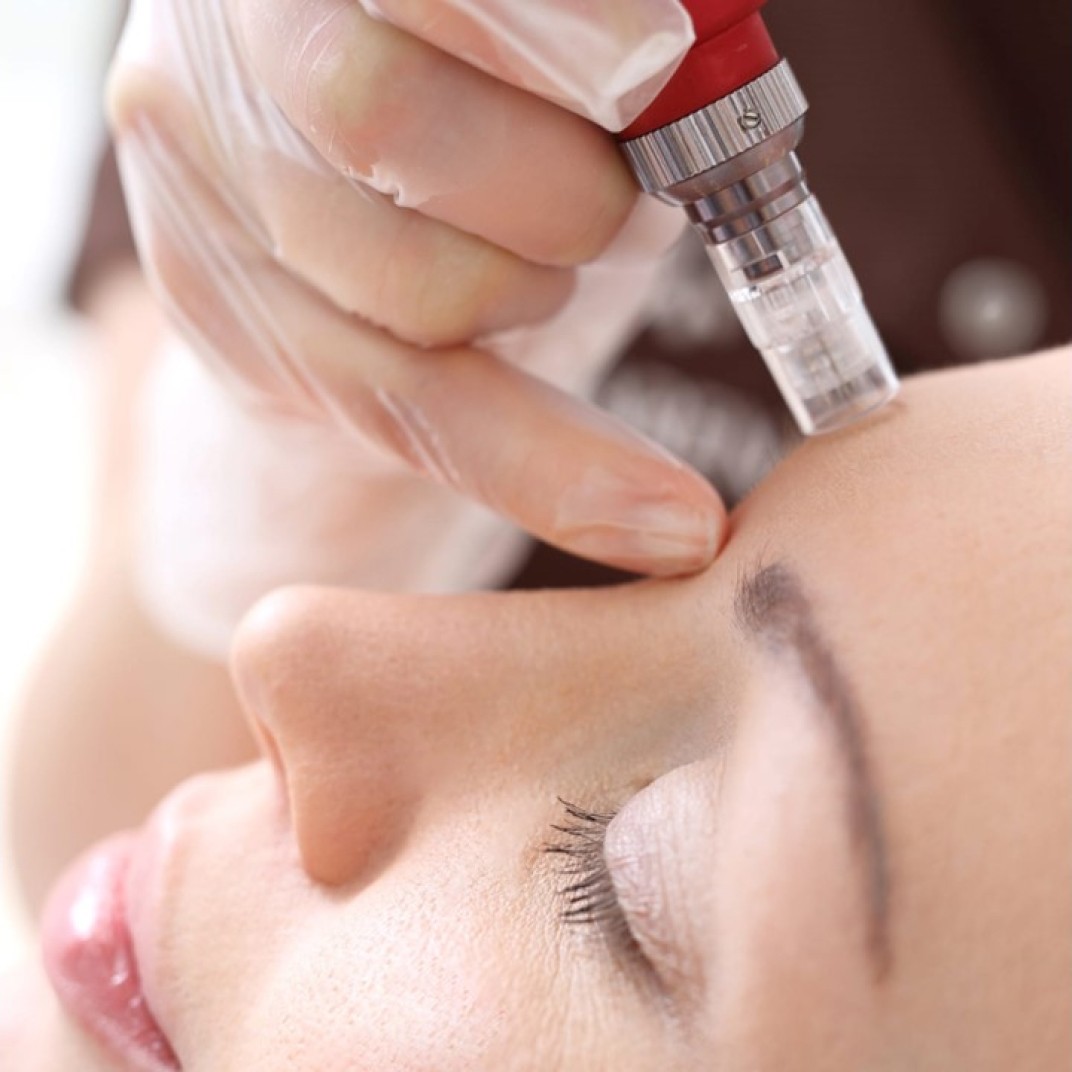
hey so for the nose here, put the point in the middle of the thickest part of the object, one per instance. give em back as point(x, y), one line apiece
point(370, 704)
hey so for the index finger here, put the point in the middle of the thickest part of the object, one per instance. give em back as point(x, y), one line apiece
point(605, 59)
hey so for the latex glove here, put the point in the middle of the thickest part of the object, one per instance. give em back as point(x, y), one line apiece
point(350, 223)
point(228, 506)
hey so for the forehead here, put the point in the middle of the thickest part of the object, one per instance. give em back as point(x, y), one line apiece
point(933, 543)
point(958, 477)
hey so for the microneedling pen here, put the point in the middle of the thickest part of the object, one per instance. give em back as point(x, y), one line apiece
point(720, 141)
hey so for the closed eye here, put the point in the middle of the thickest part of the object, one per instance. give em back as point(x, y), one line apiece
point(586, 889)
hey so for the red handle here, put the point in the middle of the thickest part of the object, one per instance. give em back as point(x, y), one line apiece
point(732, 47)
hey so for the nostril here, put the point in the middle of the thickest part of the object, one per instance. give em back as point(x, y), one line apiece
point(270, 747)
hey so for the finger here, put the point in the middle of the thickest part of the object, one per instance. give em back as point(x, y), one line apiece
point(437, 134)
point(560, 469)
point(422, 279)
point(605, 59)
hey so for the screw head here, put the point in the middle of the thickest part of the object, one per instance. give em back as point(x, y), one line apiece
point(749, 119)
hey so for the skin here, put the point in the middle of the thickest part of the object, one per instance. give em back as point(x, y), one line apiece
point(387, 904)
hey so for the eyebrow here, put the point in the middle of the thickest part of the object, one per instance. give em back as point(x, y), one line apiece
point(771, 606)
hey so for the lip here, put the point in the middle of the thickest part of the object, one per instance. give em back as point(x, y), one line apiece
point(90, 957)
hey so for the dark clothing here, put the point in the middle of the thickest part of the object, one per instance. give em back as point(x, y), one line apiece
point(107, 241)
point(939, 135)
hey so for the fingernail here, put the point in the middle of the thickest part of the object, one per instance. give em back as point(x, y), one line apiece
point(603, 518)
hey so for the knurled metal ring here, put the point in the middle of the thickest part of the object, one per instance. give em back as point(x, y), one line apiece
point(717, 133)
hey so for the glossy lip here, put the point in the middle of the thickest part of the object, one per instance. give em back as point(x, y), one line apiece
point(90, 956)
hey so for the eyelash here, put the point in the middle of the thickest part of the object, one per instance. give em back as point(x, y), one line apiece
point(587, 889)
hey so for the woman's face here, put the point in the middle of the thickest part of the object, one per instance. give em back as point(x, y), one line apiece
point(836, 764)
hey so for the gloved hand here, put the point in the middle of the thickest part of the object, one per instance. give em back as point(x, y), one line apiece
point(375, 215)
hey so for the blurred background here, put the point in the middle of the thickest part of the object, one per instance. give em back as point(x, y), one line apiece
point(52, 57)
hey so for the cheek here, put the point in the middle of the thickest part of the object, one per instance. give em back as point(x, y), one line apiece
point(344, 1003)
point(394, 979)
point(793, 986)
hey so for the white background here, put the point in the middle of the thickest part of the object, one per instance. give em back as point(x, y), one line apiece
point(53, 55)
